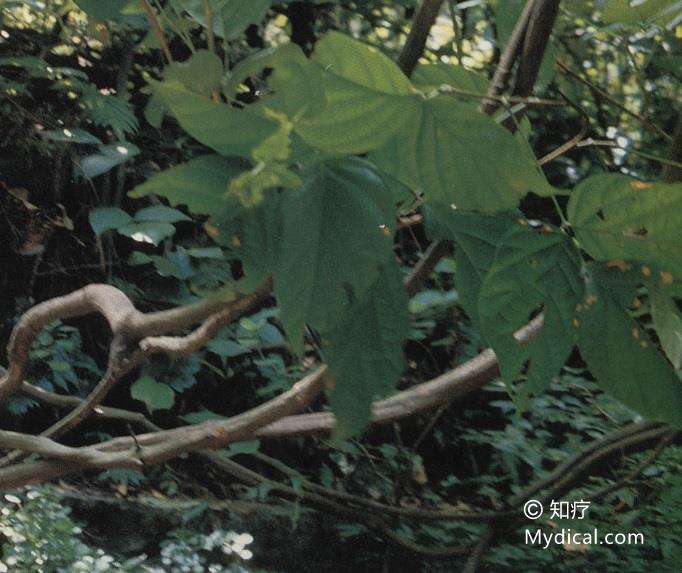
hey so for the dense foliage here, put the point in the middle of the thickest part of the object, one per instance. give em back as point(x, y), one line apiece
point(189, 150)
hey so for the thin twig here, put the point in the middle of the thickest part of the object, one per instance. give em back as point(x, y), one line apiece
point(158, 30)
point(646, 122)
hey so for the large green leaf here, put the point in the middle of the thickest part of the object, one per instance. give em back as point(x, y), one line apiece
point(533, 270)
point(230, 17)
point(296, 80)
point(346, 58)
point(620, 354)
point(617, 217)
point(228, 130)
point(476, 238)
point(334, 239)
point(368, 98)
point(201, 184)
point(433, 76)
point(365, 354)
point(201, 73)
point(667, 322)
point(260, 235)
point(456, 155)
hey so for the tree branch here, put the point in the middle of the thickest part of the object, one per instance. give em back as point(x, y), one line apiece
point(673, 173)
point(123, 318)
point(419, 33)
point(500, 81)
point(158, 447)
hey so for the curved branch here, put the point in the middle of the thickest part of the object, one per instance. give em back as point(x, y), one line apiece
point(460, 381)
point(158, 447)
point(123, 318)
point(185, 345)
point(106, 300)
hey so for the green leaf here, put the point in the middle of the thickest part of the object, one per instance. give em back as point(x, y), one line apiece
point(200, 184)
point(346, 58)
point(365, 354)
point(250, 186)
point(137, 258)
point(107, 157)
point(247, 447)
point(156, 396)
point(161, 214)
point(205, 253)
point(105, 219)
point(456, 155)
point(226, 129)
point(333, 243)
point(366, 104)
point(617, 217)
point(201, 73)
point(261, 234)
point(147, 231)
point(507, 13)
point(533, 270)
point(173, 264)
point(433, 76)
point(201, 416)
point(155, 110)
point(667, 322)
point(619, 352)
point(476, 237)
point(296, 80)
point(640, 12)
point(102, 9)
point(230, 17)
point(271, 169)
point(297, 83)
point(71, 135)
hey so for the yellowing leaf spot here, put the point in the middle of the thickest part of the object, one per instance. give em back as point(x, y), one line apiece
point(643, 344)
point(646, 271)
point(637, 303)
point(590, 300)
point(636, 233)
point(640, 185)
point(635, 332)
point(578, 307)
point(236, 242)
point(211, 230)
point(619, 264)
point(666, 278)
point(523, 222)
point(547, 228)
point(576, 323)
